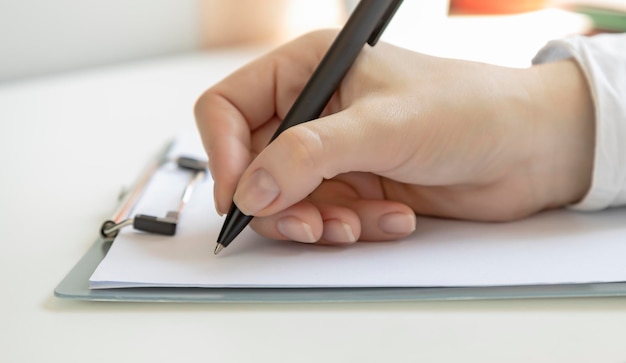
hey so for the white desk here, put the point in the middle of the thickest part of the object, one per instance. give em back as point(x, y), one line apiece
point(67, 145)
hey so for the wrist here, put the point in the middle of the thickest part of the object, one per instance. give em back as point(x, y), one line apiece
point(564, 129)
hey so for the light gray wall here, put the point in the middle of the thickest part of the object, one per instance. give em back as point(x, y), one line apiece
point(46, 36)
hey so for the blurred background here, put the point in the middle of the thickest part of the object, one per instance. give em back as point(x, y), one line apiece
point(40, 37)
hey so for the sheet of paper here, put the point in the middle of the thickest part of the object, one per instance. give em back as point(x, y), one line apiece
point(557, 247)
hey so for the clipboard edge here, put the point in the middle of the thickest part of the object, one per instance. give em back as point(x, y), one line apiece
point(75, 286)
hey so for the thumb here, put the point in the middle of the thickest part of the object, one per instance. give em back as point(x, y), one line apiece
point(300, 158)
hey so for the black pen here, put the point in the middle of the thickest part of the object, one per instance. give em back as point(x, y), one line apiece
point(365, 25)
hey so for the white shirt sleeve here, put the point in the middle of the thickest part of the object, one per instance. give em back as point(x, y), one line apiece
point(603, 61)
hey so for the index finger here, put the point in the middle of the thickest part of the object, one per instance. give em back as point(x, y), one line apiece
point(228, 113)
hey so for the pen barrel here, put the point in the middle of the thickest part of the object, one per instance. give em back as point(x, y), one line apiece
point(365, 24)
point(235, 222)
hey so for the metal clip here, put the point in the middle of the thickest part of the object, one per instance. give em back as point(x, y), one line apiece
point(152, 224)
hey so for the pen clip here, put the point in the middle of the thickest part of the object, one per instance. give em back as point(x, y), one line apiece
point(384, 21)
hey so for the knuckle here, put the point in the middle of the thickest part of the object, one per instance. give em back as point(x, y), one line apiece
point(306, 148)
point(320, 34)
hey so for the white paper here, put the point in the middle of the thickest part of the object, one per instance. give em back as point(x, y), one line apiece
point(557, 247)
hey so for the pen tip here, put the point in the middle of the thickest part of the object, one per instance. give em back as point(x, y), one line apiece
point(218, 248)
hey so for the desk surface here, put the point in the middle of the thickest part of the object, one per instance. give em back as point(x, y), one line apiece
point(67, 145)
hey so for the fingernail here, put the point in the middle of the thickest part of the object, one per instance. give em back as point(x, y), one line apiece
point(256, 192)
point(337, 231)
point(295, 229)
point(397, 223)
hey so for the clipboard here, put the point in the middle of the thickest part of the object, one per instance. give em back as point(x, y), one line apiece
point(75, 285)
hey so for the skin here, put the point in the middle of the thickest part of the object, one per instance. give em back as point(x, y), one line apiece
point(406, 134)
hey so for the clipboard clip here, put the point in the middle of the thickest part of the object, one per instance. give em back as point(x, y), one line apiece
point(153, 224)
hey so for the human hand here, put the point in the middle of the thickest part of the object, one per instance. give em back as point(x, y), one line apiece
point(405, 133)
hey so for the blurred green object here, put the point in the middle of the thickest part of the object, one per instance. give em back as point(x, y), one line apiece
point(604, 19)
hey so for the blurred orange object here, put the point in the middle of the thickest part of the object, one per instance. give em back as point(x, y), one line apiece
point(496, 6)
